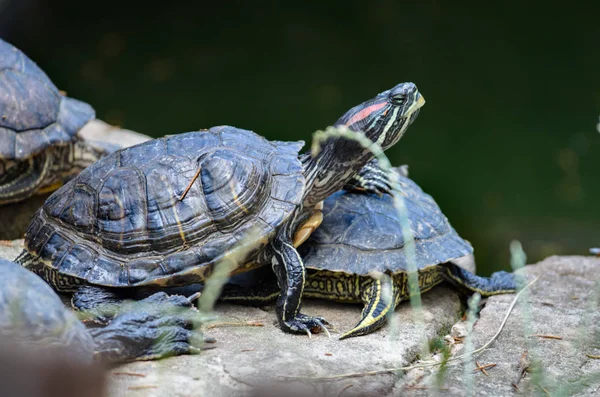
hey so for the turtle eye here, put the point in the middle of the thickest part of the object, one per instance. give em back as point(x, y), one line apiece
point(398, 98)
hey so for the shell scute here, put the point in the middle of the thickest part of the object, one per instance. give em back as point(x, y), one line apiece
point(122, 204)
point(80, 213)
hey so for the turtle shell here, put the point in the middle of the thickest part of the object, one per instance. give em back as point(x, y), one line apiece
point(32, 313)
point(130, 220)
point(33, 113)
point(361, 233)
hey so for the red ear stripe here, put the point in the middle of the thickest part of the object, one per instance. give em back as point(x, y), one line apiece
point(366, 112)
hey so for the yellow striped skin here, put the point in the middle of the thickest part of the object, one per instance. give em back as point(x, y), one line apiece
point(378, 295)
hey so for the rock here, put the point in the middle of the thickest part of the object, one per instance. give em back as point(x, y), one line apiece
point(14, 218)
point(563, 303)
point(254, 360)
point(98, 130)
point(459, 330)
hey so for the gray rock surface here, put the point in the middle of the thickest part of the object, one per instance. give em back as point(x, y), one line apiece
point(565, 302)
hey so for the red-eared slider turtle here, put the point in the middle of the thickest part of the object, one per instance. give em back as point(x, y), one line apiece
point(39, 146)
point(164, 212)
point(359, 248)
point(31, 313)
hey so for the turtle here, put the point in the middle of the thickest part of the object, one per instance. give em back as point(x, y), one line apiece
point(39, 144)
point(359, 255)
point(32, 314)
point(165, 212)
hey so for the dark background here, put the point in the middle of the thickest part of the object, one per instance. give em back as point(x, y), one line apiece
point(507, 142)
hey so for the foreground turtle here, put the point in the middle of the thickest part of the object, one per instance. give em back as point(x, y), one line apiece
point(33, 314)
point(39, 143)
point(165, 212)
point(358, 254)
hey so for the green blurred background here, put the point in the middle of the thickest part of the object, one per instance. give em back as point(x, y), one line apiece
point(507, 143)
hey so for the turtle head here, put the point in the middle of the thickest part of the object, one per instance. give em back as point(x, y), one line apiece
point(385, 118)
point(382, 119)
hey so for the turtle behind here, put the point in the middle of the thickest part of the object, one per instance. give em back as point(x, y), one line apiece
point(39, 146)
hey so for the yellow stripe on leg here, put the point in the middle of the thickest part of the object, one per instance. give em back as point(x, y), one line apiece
point(379, 302)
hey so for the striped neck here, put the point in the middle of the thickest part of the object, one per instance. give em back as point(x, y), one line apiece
point(329, 171)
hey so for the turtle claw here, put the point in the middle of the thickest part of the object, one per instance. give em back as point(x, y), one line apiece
point(371, 179)
point(194, 296)
point(323, 328)
point(305, 324)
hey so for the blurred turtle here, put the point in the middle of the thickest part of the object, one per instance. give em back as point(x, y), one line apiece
point(40, 142)
point(33, 315)
point(359, 255)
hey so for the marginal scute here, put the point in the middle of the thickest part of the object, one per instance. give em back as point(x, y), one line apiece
point(55, 249)
point(105, 271)
point(78, 261)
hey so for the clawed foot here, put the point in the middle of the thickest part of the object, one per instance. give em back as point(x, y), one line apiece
point(370, 179)
point(305, 324)
point(156, 327)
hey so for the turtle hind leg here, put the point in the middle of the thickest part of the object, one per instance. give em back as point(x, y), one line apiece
point(379, 298)
point(498, 283)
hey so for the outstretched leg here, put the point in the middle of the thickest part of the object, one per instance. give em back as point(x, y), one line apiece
point(379, 301)
point(291, 275)
point(153, 328)
point(498, 283)
point(370, 179)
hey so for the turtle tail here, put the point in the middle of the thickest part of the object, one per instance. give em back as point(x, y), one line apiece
point(498, 283)
point(378, 299)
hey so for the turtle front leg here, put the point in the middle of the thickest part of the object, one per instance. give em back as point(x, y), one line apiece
point(156, 327)
point(370, 179)
point(291, 275)
point(378, 299)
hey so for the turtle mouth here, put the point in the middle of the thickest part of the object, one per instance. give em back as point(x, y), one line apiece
point(415, 106)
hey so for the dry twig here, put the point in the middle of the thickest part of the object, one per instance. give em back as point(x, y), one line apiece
point(483, 368)
point(130, 374)
point(187, 189)
point(548, 336)
point(250, 323)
